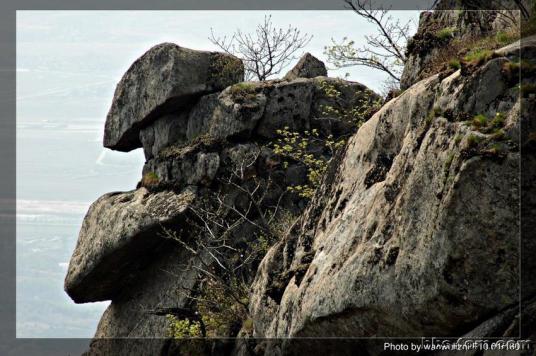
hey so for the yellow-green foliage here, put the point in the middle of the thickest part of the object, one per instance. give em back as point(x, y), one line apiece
point(329, 89)
point(447, 32)
point(295, 146)
point(455, 64)
point(150, 179)
point(357, 114)
point(183, 328)
point(222, 306)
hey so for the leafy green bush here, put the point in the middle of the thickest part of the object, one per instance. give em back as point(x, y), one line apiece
point(498, 121)
point(447, 32)
point(296, 147)
point(356, 115)
point(183, 328)
point(455, 64)
point(478, 56)
point(505, 38)
point(479, 121)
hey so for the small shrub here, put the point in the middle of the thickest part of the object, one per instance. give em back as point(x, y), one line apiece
point(479, 121)
point(473, 140)
point(498, 135)
point(150, 180)
point(495, 150)
point(498, 121)
point(505, 38)
point(182, 328)
point(364, 107)
point(445, 33)
point(224, 69)
point(458, 139)
point(478, 56)
point(295, 146)
point(514, 67)
point(329, 89)
point(455, 64)
point(248, 325)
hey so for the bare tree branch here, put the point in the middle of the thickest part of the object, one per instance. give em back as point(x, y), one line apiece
point(266, 51)
point(385, 50)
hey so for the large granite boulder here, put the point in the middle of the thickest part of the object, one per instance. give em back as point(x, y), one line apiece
point(415, 230)
point(119, 235)
point(166, 79)
point(307, 67)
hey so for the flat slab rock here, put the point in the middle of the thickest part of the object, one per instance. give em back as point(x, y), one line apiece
point(164, 80)
point(119, 233)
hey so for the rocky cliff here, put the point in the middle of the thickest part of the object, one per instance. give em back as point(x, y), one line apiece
point(291, 208)
point(417, 232)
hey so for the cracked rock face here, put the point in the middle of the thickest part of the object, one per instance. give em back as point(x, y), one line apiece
point(253, 110)
point(166, 79)
point(468, 25)
point(416, 229)
point(205, 138)
point(119, 232)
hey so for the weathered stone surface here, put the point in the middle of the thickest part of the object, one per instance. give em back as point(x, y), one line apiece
point(140, 311)
point(165, 131)
point(247, 110)
point(415, 231)
point(425, 47)
point(307, 67)
point(164, 80)
point(196, 164)
point(118, 235)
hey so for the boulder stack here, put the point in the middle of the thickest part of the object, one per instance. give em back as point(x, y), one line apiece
point(197, 122)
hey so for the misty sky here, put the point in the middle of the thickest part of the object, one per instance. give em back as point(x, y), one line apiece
point(68, 63)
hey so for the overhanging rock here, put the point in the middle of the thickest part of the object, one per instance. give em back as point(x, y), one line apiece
point(119, 233)
point(166, 79)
